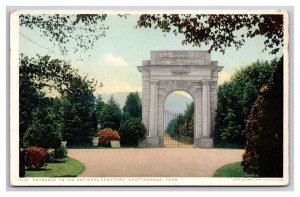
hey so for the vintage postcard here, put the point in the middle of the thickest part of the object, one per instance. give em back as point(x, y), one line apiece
point(149, 98)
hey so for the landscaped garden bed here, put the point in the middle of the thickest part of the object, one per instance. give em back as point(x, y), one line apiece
point(66, 167)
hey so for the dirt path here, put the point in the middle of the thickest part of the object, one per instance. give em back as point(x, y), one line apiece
point(154, 162)
point(172, 143)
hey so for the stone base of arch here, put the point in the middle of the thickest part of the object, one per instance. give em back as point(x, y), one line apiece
point(203, 142)
point(156, 142)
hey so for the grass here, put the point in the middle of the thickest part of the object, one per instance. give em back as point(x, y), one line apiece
point(232, 170)
point(66, 167)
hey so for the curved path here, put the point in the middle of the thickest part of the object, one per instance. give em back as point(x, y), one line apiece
point(154, 162)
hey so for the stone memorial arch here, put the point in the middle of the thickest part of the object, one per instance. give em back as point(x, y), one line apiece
point(189, 71)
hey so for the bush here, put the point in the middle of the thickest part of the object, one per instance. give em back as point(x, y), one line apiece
point(50, 155)
point(61, 152)
point(45, 130)
point(132, 131)
point(35, 157)
point(264, 130)
point(106, 135)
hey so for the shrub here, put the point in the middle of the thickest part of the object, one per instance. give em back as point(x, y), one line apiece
point(50, 154)
point(35, 157)
point(61, 152)
point(132, 131)
point(45, 130)
point(264, 130)
point(106, 135)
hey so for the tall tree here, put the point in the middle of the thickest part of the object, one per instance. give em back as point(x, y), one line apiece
point(38, 76)
point(79, 105)
point(111, 115)
point(133, 106)
point(98, 109)
point(264, 128)
point(235, 99)
point(189, 120)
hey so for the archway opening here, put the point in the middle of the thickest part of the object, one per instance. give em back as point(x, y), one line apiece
point(179, 120)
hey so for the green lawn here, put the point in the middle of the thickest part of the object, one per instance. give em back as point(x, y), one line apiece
point(66, 167)
point(232, 170)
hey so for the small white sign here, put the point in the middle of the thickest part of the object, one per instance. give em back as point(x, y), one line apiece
point(115, 144)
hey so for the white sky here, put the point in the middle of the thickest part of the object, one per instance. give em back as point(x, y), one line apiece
point(114, 58)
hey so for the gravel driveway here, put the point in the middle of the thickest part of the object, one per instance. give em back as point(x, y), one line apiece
point(154, 162)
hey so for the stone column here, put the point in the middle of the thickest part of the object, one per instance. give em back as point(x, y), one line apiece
point(206, 109)
point(206, 140)
point(152, 138)
point(198, 121)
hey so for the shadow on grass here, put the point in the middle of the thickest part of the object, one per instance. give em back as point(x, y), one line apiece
point(38, 170)
point(66, 176)
point(228, 145)
point(57, 161)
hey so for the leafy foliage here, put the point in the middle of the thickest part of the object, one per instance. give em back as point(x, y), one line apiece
point(182, 124)
point(264, 129)
point(132, 131)
point(61, 152)
point(219, 31)
point(175, 126)
point(79, 114)
point(111, 115)
point(37, 76)
point(106, 135)
point(46, 128)
point(98, 108)
point(79, 31)
point(235, 99)
point(50, 155)
point(35, 157)
point(133, 106)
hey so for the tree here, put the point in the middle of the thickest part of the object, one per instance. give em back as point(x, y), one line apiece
point(79, 108)
point(46, 128)
point(183, 124)
point(133, 106)
point(99, 106)
point(42, 75)
point(264, 128)
point(38, 76)
point(76, 32)
point(132, 131)
point(235, 99)
point(111, 115)
point(189, 120)
point(219, 31)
